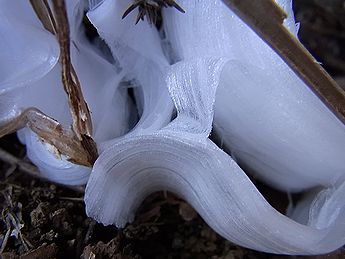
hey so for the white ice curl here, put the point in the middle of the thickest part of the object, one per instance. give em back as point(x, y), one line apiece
point(212, 183)
point(266, 116)
point(180, 159)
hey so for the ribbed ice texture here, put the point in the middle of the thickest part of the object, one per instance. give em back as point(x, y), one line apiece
point(139, 55)
point(192, 85)
point(268, 118)
point(264, 114)
point(213, 184)
point(213, 47)
point(212, 30)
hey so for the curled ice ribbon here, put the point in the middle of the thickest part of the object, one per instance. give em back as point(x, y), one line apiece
point(216, 72)
point(181, 159)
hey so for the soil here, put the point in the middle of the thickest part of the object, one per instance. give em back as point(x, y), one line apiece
point(43, 220)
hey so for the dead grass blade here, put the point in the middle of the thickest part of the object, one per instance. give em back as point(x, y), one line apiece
point(77, 145)
point(266, 19)
point(80, 113)
point(52, 132)
point(44, 14)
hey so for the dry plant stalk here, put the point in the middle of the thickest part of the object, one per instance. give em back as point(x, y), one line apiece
point(150, 9)
point(80, 113)
point(266, 18)
point(51, 132)
point(44, 14)
point(82, 124)
point(58, 25)
point(77, 144)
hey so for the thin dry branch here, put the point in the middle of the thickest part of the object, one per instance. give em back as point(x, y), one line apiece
point(29, 168)
point(266, 19)
point(25, 167)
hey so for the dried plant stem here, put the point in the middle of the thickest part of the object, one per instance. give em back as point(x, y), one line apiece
point(80, 113)
point(51, 132)
point(25, 167)
point(44, 14)
point(29, 168)
point(266, 19)
point(77, 145)
point(82, 124)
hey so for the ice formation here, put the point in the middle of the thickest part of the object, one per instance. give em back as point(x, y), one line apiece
point(216, 72)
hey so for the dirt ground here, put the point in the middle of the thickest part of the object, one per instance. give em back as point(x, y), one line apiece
point(43, 220)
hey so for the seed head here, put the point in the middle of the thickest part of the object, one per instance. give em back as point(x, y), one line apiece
point(150, 8)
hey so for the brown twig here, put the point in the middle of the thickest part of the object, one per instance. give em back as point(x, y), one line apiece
point(341, 81)
point(266, 19)
point(29, 168)
point(20, 164)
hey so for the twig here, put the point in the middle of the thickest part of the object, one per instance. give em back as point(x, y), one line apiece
point(72, 199)
point(341, 81)
point(25, 167)
point(266, 19)
point(30, 169)
point(4, 242)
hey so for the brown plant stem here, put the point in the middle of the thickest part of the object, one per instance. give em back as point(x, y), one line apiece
point(30, 169)
point(80, 113)
point(44, 14)
point(51, 132)
point(77, 145)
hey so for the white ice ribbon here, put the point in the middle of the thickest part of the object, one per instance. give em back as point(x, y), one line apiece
point(180, 159)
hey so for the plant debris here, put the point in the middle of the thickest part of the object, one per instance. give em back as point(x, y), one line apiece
point(150, 9)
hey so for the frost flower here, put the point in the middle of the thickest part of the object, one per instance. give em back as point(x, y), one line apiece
point(216, 72)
